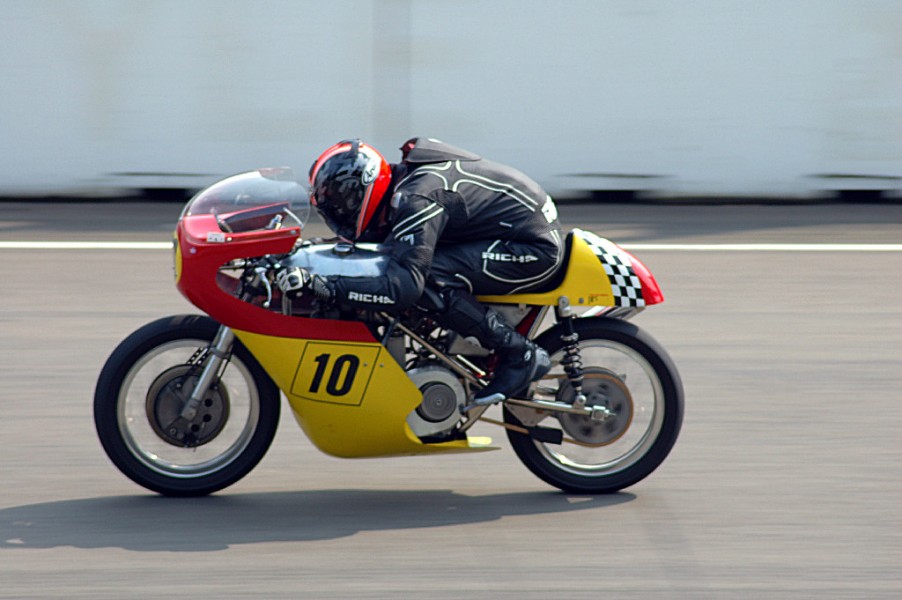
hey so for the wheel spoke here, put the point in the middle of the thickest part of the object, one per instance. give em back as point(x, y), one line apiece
point(615, 444)
point(147, 404)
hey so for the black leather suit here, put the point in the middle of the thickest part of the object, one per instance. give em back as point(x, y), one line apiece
point(459, 221)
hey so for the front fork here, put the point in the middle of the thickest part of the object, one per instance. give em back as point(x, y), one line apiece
point(219, 351)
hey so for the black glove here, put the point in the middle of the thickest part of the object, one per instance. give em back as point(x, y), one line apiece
point(296, 281)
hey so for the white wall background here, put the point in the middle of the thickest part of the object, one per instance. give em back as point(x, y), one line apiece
point(679, 97)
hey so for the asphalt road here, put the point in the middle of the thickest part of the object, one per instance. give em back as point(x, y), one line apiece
point(785, 483)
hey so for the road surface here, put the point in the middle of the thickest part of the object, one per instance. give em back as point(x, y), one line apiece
point(785, 483)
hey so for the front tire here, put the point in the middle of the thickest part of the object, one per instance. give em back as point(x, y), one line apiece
point(629, 373)
point(139, 394)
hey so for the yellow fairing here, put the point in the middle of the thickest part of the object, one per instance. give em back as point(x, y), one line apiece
point(177, 258)
point(351, 399)
point(585, 283)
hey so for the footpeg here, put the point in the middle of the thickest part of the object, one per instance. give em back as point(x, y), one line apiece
point(487, 401)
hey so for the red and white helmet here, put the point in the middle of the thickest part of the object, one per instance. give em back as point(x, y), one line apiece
point(347, 186)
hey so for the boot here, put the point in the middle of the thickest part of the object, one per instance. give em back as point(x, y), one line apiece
point(520, 362)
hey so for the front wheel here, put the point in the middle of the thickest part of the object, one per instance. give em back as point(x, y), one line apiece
point(629, 375)
point(141, 391)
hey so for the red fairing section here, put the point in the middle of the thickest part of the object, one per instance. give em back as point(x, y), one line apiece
point(651, 292)
point(201, 260)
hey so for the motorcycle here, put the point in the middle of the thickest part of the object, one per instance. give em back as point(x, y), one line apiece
point(188, 405)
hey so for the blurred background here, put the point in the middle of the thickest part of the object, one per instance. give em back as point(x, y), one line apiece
point(647, 98)
point(782, 316)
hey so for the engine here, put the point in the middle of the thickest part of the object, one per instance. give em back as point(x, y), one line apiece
point(443, 399)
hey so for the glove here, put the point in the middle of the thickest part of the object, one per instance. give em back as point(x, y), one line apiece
point(296, 281)
point(293, 279)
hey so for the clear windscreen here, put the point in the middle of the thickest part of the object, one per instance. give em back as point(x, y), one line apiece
point(261, 199)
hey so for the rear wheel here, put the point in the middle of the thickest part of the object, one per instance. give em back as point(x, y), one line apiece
point(627, 373)
point(140, 394)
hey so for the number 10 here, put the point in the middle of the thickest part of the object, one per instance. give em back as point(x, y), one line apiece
point(344, 369)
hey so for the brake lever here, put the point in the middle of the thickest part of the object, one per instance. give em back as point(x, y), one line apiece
point(261, 276)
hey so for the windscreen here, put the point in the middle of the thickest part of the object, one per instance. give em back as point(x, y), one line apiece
point(252, 200)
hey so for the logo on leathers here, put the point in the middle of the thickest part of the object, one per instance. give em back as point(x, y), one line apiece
point(371, 298)
point(512, 258)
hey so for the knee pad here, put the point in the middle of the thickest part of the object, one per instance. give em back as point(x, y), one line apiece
point(463, 313)
point(431, 301)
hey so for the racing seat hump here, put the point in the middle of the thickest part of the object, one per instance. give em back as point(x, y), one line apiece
point(595, 272)
point(558, 278)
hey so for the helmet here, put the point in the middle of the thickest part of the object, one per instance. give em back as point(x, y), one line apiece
point(347, 185)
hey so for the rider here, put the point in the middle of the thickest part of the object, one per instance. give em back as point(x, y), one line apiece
point(456, 225)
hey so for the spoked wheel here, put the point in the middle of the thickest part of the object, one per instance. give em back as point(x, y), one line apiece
point(629, 375)
point(140, 395)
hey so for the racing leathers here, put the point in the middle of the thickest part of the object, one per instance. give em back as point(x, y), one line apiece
point(461, 225)
point(459, 221)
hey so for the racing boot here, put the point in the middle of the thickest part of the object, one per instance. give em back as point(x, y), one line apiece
point(520, 361)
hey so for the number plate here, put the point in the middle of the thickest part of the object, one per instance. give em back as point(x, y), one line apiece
point(336, 373)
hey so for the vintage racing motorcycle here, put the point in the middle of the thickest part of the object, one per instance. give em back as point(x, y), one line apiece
point(187, 405)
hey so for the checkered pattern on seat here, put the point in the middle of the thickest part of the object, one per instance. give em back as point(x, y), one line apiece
point(625, 284)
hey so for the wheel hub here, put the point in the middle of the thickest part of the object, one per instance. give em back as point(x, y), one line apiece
point(165, 399)
point(602, 388)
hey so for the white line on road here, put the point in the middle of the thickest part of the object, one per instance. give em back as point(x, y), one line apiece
point(768, 247)
point(642, 247)
point(85, 245)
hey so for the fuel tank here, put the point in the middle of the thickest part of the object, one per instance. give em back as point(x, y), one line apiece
point(348, 260)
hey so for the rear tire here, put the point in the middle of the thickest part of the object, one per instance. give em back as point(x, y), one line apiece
point(630, 373)
point(138, 392)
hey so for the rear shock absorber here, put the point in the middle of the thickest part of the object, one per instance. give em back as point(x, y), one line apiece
point(572, 361)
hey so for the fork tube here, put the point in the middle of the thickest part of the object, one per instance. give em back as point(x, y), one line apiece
point(219, 351)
